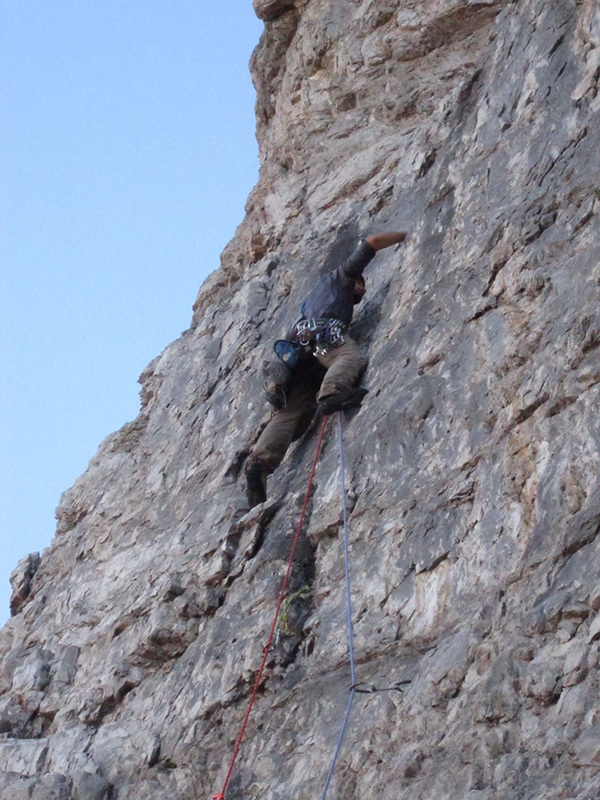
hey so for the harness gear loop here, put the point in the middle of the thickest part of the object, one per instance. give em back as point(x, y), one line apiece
point(321, 335)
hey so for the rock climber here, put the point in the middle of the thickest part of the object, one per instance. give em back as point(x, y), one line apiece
point(318, 364)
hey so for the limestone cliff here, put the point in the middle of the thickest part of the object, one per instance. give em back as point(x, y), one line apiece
point(472, 469)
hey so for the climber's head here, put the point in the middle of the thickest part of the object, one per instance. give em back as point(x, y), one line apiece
point(360, 289)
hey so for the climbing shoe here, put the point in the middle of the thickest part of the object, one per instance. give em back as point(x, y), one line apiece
point(341, 401)
point(256, 482)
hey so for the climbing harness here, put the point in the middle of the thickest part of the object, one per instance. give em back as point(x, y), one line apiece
point(267, 648)
point(321, 335)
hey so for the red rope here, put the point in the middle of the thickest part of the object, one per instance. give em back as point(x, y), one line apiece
point(267, 647)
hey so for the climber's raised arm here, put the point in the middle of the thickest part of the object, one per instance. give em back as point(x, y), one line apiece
point(379, 241)
point(321, 371)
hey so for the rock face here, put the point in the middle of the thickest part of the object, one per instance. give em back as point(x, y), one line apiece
point(472, 469)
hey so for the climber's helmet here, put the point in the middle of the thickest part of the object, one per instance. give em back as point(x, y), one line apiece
point(359, 289)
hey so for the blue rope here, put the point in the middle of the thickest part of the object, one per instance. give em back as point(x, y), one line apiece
point(348, 614)
point(346, 554)
point(339, 743)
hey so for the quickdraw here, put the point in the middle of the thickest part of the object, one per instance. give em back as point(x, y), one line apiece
point(321, 334)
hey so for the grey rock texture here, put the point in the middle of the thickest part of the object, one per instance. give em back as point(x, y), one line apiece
point(472, 470)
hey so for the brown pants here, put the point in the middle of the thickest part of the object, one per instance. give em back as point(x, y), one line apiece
point(344, 365)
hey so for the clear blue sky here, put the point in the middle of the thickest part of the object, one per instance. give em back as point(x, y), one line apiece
point(127, 152)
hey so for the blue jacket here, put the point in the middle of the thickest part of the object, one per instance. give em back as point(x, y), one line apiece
point(333, 295)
